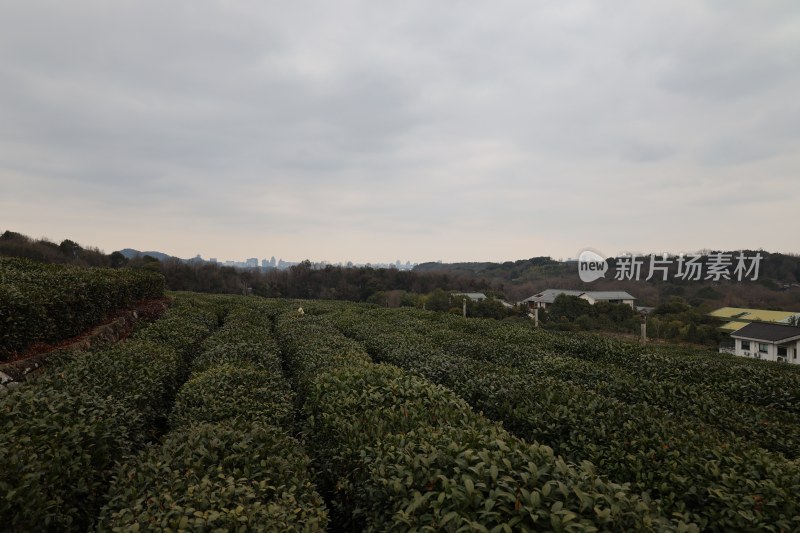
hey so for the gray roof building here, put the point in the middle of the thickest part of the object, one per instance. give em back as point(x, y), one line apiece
point(766, 331)
point(609, 295)
point(474, 296)
point(549, 296)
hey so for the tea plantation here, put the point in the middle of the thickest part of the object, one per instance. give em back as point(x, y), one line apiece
point(243, 414)
point(47, 302)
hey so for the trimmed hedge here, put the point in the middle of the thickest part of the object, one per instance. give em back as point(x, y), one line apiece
point(62, 434)
point(245, 338)
point(141, 374)
point(47, 303)
point(311, 347)
point(755, 382)
point(772, 429)
point(261, 353)
point(57, 448)
point(229, 463)
point(234, 393)
point(708, 475)
point(376, 435)
point(215, 477)
point(400, 453)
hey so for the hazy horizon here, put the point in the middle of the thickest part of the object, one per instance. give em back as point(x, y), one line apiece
point(373, 132)
point(278, 257)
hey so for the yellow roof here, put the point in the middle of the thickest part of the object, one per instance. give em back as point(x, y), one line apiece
point(733, 326)
point(762, 315)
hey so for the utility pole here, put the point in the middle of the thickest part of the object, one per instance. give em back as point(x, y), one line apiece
point(535, 317)
point(464, 307)
point(643, 318)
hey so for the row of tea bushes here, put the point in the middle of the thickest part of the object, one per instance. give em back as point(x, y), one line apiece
point(607, 367)
point(48, 303)
point(229, 462)
point(706, 475)
point(398, 453)
point(773, 429)
point(760, 383)
point(61, 435)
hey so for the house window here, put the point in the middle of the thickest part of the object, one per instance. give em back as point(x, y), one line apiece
point(746, 346)
point(782, 351)
point(763, 347)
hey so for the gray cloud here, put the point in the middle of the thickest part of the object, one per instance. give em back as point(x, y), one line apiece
point(351, 129)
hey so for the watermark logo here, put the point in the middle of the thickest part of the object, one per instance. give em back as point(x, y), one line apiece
point(716, 266)
point(591, 266)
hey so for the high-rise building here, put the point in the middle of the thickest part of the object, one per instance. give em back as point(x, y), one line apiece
point(252, 262)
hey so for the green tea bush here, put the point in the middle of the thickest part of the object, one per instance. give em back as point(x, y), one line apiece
point(772, 429)
point(141, 374)
point(399, 453)
point(229, 463)
point(263, 353)
point(311, 347)
point(245, 338)
point(57, 448)
point(355, 412)
point(47, 303)
point(705, 473)
point(216, 477)
point(63, 433)
point(234, 392)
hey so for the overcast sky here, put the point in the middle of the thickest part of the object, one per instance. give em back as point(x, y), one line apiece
point(421, 130)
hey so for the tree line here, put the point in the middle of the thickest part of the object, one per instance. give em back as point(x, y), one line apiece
point(675, 319)
point(383, 286)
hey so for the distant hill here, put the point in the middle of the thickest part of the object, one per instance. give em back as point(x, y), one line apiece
point(513, 271)
point(130, 253)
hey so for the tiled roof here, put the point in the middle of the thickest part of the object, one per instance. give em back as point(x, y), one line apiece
point(472, 295)
point(609, 295)
point(765, 331)
point(549, 296)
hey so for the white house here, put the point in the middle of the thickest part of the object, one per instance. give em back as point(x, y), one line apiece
point(769, 341)
point(474, 296)
point(612, 297)
point(547, 297)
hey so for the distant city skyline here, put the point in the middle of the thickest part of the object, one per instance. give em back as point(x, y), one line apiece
point(273, 262)
point(281, 263)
